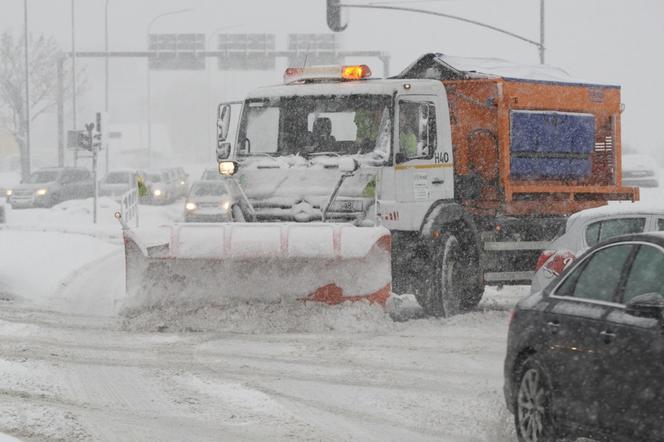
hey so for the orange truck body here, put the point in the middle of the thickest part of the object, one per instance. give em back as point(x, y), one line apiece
point(481, 116)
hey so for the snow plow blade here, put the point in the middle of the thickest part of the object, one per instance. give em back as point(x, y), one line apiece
point(203, 264)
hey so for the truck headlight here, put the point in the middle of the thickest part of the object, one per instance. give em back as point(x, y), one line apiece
point(41, 192)
point(8, 192)
point(157, 192)
point(190, 206)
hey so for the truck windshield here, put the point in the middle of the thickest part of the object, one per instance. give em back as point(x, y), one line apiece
point(304, 125)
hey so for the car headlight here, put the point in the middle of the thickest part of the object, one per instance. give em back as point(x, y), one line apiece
point(225, 205)
point(190, 206)
point(41, 192)
point(182, 182)
point(8, 192)
point(157, 192)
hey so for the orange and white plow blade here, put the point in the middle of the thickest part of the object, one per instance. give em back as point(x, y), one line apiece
point(213, 263)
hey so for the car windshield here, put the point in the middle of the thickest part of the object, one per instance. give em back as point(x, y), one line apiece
point(118, 178)
point(211, 175)
point(43, 176)
point(209, 189)
point(341, 124)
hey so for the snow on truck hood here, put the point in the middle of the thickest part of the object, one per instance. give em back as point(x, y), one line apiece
point(286, 182)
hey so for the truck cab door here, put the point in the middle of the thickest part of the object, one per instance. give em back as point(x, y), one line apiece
point(423, 171)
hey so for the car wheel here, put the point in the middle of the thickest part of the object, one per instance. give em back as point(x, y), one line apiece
point(532, 413)
point(440, 284)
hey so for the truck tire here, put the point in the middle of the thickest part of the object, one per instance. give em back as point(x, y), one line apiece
point(440, 287)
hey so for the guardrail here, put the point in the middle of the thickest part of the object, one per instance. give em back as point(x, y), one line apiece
point(129, 206)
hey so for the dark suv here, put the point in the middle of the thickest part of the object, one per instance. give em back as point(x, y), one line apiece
point(49, 186)
point(585, 356)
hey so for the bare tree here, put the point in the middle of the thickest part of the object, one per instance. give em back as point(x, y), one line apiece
point(44, 53)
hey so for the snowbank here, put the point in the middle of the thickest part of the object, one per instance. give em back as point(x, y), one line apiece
point(33, 265)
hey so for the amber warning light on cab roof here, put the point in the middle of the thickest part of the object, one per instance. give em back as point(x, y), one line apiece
point(316, 73)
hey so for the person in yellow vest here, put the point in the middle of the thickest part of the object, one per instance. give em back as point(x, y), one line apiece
point(407, 137)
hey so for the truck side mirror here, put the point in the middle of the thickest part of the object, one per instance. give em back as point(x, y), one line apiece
point(223, 150)
point(223, 122)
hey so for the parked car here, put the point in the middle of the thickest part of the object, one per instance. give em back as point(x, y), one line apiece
point(49, 186)
point(586, 228)
point(585, 356)
point(211, 201)
point(640, 170)
point(160, 187)
point(118, 182)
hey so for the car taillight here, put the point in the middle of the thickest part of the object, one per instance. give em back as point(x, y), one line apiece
point(544, 257)
point(559, 262)
point(512, 315)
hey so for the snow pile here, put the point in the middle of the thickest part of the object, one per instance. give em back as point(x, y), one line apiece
point(256, 318)
point(77, 216)
point(33, 265)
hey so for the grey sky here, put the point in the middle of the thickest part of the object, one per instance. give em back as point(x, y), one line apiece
point(614, 41)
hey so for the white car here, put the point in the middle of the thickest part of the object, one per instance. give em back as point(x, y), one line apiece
point(588, 227)
point(118, 182)
point(639, 170)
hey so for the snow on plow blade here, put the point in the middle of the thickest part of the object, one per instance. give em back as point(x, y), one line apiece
point(213, 263)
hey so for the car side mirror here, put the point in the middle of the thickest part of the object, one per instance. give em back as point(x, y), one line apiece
point(649, 305)
point(400, 157)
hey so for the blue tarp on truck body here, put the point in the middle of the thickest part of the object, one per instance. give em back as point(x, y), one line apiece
point(548, 144)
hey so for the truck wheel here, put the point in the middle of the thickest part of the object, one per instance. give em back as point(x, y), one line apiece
point(440, 289)
point(471, 297)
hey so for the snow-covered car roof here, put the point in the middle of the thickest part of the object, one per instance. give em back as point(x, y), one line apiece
point(617, 209)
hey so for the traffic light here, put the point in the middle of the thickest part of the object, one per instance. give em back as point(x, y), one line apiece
point(334, 19)
point(83, 139)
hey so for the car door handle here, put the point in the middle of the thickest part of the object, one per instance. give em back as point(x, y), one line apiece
point(608, 335)
point(439, 181)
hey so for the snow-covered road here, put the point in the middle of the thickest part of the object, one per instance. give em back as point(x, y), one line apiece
point(78, 377)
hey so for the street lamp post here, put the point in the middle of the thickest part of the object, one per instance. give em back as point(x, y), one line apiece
point(73, 74)
point(26, 167)
point(106, 74)
point(149, 80)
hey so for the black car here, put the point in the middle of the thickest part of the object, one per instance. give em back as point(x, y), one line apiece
point(585, 356)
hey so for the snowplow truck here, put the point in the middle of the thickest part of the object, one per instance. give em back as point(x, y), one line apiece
point(452, 175)
point(472, 165)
